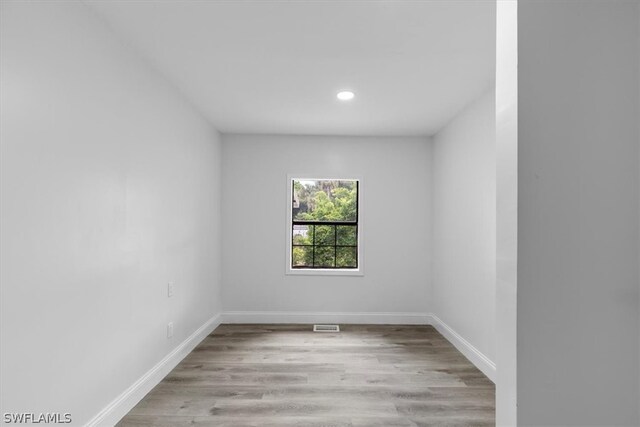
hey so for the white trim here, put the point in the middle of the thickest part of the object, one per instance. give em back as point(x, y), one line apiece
point(379, 318)
point(474, 355)
point(323, 271)
point(319, 271)
point(129, 398)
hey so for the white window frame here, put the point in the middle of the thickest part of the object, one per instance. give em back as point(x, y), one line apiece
point(323, 271)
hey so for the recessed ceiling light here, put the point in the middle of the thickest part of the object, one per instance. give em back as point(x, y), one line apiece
point(345, 95)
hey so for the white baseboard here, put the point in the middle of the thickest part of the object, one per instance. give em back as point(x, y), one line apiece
point(380, 318)
point(474, 355)
point(122, 404)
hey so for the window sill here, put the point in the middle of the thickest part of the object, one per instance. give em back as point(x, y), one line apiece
point(323, 272)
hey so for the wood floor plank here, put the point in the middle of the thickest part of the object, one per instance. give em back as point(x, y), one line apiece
point(287, 375)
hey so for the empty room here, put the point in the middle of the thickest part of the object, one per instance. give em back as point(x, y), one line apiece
point(320, 213)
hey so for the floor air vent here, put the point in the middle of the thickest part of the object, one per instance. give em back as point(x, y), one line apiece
point(326, 328)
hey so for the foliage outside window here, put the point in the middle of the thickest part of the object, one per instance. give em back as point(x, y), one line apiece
point(324, 229)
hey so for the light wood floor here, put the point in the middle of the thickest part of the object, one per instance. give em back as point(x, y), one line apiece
point(287, 375)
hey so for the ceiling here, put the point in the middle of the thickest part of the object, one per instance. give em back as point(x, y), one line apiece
point(276, 66)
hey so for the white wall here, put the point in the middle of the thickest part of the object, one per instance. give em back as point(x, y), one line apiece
point(578, 141)
point(110, 189)
point(464, 224)
point(506, 212)
point(395, 213)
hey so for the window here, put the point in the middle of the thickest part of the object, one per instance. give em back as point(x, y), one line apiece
point(324, 229)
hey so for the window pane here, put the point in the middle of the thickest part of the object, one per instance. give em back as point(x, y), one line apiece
point(346, 257)
point(325, 256)
point(325, 235)
point(347, 235)
point(325, 205)
point(301, 235)
point(324, 200)
point(302, 256)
